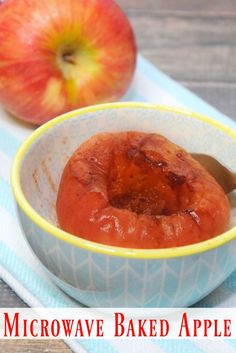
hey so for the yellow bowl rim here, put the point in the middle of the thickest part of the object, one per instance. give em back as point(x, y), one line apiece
point(98, 247)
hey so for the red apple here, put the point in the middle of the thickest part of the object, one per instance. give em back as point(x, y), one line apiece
point(58, 55)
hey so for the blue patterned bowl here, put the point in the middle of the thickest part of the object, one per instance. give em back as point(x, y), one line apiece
point(105, 276)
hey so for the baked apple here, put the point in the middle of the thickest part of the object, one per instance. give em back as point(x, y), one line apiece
point(139, 190)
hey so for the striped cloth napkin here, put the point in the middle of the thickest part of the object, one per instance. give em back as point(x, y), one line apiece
point(22, 271)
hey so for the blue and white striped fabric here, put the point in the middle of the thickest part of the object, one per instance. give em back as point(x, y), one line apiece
point(20, 269)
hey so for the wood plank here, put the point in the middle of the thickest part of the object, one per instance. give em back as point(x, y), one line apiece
point(33, 346)
point(200, 6)
point(189, 49)
point(221, 96)
point(8, 298)
point(168, 31)
point(196, 63)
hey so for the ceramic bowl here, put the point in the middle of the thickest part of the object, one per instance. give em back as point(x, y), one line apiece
point(104, 276)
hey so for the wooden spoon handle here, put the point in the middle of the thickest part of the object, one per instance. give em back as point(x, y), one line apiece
point(233, 182)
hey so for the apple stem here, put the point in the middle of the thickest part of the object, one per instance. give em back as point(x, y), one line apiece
point(69, 58)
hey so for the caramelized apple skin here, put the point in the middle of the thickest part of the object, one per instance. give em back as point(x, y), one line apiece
point(139, 190)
